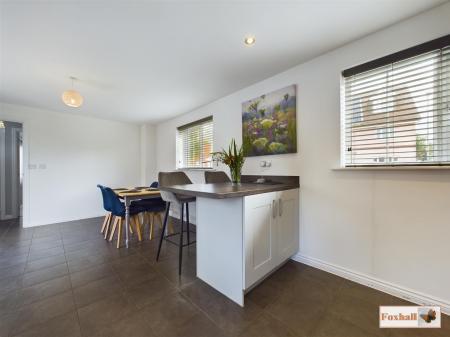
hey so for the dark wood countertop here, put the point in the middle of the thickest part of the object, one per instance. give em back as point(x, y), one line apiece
point(228, 190)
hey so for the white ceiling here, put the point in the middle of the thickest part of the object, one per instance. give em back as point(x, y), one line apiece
point(148, 61)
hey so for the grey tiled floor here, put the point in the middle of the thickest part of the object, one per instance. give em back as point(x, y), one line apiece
point(65, 280)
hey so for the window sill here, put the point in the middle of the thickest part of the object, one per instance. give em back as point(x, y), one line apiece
point(392, 168)
point(195, 169)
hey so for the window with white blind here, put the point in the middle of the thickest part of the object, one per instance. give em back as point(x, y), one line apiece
point(195, 144)
point(396, 110)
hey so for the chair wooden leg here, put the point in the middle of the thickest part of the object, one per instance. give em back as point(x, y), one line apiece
point(137, 226)
point(105, 222)
point(111, 235)
point(131, 227)
point(160, 221)
point(119, 232)
point(108, 226)
point(152, 220)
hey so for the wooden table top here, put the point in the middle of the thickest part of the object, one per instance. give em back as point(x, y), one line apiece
point(136, 191)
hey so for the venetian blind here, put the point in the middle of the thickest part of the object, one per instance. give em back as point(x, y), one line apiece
point(195, 144)
point(396, 109)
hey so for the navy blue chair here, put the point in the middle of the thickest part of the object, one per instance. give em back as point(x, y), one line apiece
point(154, 211)
point(107, 207)
point(118, 210)
point(152, 208)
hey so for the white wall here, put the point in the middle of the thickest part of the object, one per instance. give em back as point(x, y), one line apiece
point(79, 153)
point(393, 226)
point(148, 154)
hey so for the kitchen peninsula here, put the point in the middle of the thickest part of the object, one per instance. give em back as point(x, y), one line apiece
point(244, 231)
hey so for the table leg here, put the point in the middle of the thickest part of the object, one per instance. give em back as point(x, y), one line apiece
point(127, 220)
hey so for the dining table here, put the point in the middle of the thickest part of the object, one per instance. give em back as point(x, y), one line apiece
point(128, 195)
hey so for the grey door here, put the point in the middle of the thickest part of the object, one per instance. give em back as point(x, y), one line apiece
point(10, 170)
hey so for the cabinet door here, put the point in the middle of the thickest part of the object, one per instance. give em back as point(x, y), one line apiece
point(259, 225)
point(287, 224)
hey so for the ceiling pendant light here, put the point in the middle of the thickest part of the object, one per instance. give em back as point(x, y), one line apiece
point(72, 97)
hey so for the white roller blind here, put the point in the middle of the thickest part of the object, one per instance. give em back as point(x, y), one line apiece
point(399, 113)
point(195, 144)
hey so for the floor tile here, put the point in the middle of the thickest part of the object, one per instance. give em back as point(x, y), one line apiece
point(97, 290)
point(169, 268)
point(96, 316)
point(44, 240)
point(266, 326)
point(8, 303)
point(40, 291)
point(42, 311)
point(79, 254)
point(86, 262)
point(10, 284)
point(134, 325)
point(37, 247)
point(225, 313)
point(301, 306)
point(333, 326)
point(169, 314)
point(44, 274)
point(92, 274)
point(149, 291)
point(65, 325)
point(7, 323)
point(43, 253)
point(418, 333)
point(197, 326)
point(93, 243)
point(134, 272)
point(267, 292)
point(11, 261)
point(6, 252)
point(13, 271)
point(45, 263)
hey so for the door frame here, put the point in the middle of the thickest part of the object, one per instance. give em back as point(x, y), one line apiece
point(25, 161)
point(2, 176)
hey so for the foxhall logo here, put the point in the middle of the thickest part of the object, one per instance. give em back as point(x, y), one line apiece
point(410, 317)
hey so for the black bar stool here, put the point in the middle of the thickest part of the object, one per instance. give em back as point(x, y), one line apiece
point(178, 200)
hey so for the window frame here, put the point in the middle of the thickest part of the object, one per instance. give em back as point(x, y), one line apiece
point(436, 44)
point(180, 150)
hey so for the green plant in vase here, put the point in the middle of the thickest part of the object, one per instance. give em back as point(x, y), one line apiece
point(233, 158)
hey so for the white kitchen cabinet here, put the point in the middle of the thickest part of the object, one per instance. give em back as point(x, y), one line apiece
point(259, 226)
point(287, 224)
point(243, 238)
point(270, 232)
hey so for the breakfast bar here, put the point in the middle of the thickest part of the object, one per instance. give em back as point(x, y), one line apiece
point(244, 231)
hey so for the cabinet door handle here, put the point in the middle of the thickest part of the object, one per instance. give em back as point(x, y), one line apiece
point(280, 207)
point(274, 209)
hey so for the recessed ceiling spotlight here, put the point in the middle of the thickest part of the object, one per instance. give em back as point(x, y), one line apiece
point(249, 40)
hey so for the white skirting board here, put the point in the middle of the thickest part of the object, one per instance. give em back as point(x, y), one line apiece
point(375, 283)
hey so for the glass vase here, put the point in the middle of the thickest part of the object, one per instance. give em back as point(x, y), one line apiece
point(235, 175)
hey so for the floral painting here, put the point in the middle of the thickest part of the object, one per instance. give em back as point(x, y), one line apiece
point(269, 123)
